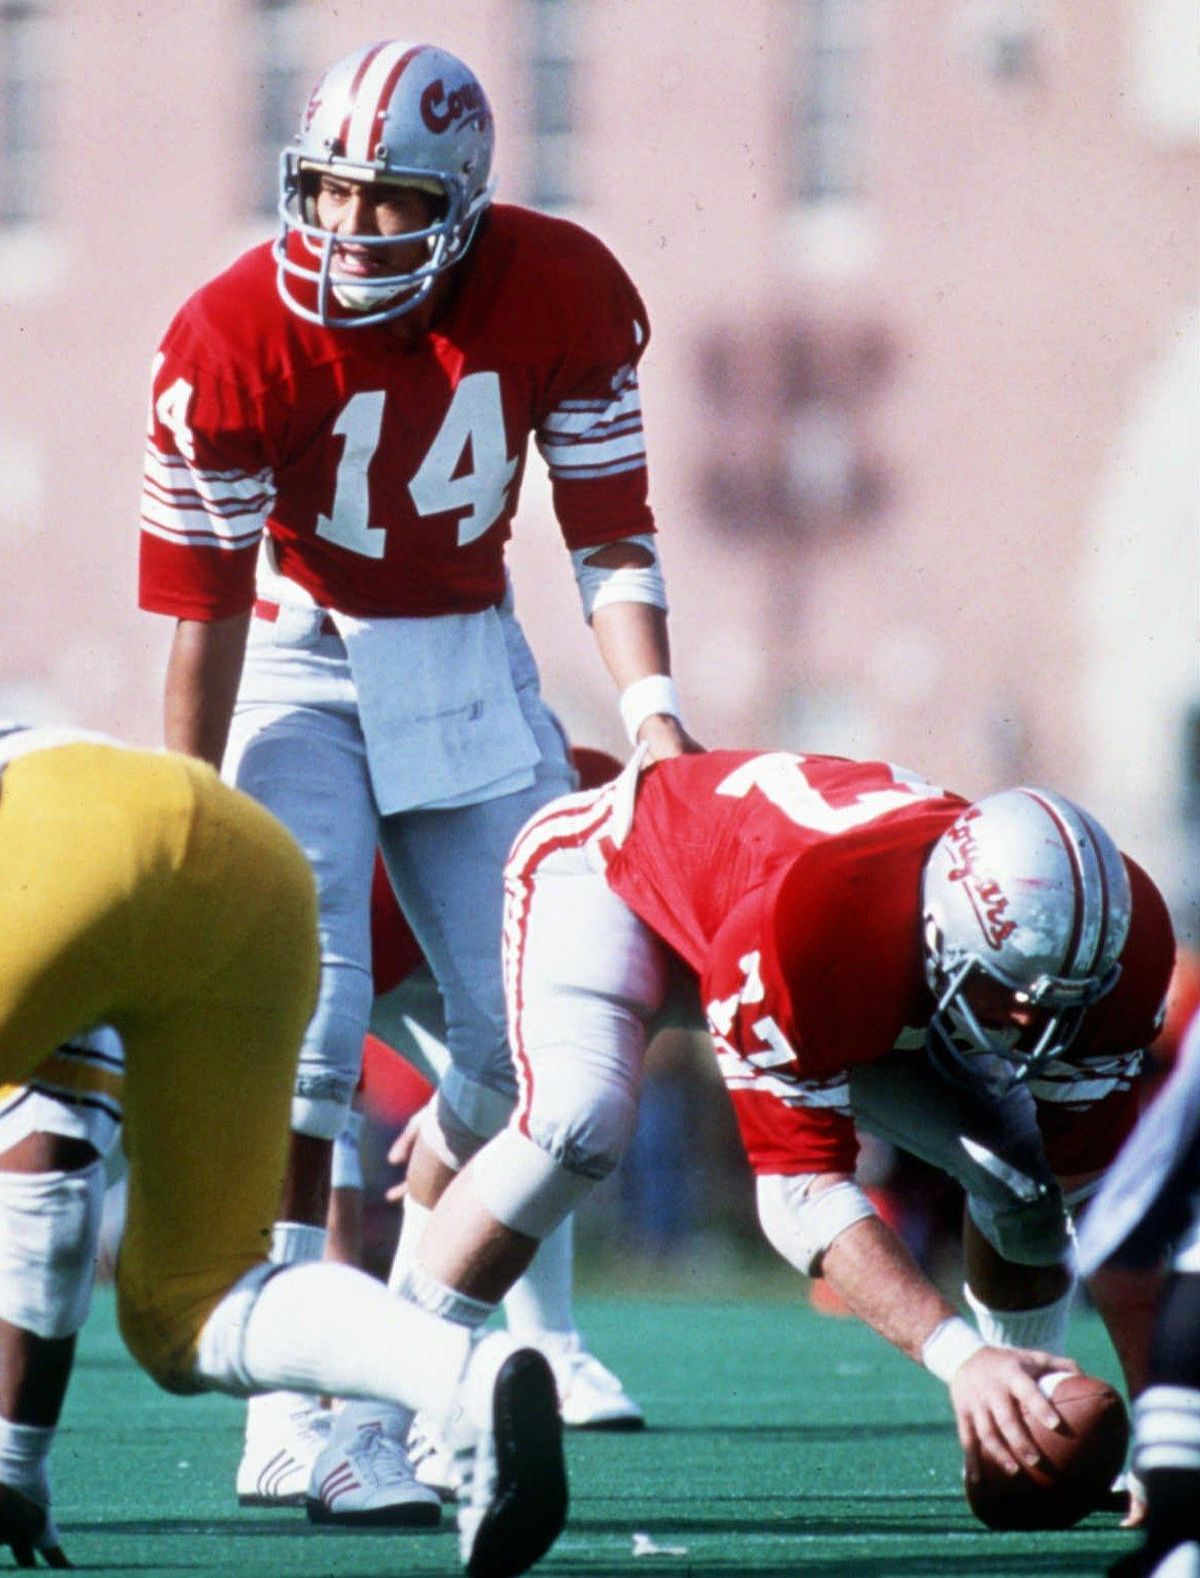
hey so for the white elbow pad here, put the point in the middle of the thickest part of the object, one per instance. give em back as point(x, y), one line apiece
point(633, 584)
point(802, 1225)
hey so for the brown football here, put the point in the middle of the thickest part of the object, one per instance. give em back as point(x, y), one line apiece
point(1082, 1461)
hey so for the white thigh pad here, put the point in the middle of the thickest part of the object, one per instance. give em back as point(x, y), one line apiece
point(49, 1232)
point(802, 1225)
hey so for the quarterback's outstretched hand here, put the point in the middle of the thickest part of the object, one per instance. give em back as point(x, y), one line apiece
point(993, 1394)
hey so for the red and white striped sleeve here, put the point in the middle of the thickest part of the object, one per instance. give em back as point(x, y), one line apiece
point(207, 490)
point(590, 431)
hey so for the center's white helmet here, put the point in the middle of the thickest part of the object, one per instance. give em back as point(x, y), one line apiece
point(1026, 889)
point(408, 114)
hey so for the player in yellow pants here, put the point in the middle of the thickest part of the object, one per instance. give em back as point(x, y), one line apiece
point(139, 891)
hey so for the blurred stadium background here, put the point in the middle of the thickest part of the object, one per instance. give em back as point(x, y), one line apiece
point(922, 395)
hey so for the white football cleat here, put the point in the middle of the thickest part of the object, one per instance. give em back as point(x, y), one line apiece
point(433, 1459)
point(280, 1449)
point(513, 1501)
point(364, 1476)
point(590, 1396)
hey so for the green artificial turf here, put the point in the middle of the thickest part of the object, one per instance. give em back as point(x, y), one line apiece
point(781, 1442)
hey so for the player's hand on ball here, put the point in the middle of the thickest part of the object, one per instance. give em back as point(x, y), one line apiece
point(995, 1396)
point(1079, 1460)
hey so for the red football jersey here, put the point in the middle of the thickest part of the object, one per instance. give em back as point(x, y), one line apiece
point(791, 886)
point(387, 473)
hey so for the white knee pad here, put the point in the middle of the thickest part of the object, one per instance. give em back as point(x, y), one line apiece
point(584, 1124)
point(1033, 1232)
point(319, 1117)
point(49, 1233)
point(801, 1225)
point(523, 1187)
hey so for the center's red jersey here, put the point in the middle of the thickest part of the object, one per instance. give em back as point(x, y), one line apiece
point(791, 886)
point(387, 473)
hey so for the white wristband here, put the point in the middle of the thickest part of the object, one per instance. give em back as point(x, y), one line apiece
point(948, 1347)
point(646, 698)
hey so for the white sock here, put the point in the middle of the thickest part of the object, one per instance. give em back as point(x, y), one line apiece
point(1044, 1327)
point(24, 1450)
point(292, 1244)
point(330, 1328)
point(427, 1293)
point(413, 1219)
point(540, 1302)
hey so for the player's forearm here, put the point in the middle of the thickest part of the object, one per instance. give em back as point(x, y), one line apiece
point(203, 672)
point(632, 639)
point(873, 1272)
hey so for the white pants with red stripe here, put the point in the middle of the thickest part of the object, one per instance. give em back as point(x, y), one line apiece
point(587, 983)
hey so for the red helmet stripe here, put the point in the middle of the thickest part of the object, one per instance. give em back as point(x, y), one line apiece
point(385, 96)
point(352, 96)
point(374, 84)
point(1070, 964)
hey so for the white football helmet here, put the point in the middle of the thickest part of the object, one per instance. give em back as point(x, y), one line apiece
point(1028, 890)
point(408, 114)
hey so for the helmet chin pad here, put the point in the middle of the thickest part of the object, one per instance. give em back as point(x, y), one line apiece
point(363, 298)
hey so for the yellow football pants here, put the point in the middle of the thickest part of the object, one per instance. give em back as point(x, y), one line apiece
point(136, 889)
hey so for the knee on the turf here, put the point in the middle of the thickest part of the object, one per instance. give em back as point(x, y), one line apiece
point(191, 1339)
